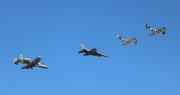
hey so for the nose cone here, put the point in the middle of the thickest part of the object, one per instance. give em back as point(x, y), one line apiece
point(80, 51)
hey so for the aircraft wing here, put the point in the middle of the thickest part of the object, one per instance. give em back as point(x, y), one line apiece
point(36, 60)
point(131, 40)
point(125, 43)
point(27, 67)
point(152, 34)
point(93, 50)
point(103, 55)
point(41, 65)
point(162, 29)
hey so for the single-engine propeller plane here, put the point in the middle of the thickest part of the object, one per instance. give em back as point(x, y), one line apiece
point(126, 41)
point(92, 52)
point(156, 31)
point(30, 64)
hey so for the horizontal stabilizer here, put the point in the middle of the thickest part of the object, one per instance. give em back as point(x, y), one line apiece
point(119, 37)
point(16, 61)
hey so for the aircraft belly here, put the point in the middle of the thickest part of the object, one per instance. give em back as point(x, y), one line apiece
point(130, 42)
point(26, 61)
point(96, 54)
point(159, 32)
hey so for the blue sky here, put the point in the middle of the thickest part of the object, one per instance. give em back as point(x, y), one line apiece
point(54, 29)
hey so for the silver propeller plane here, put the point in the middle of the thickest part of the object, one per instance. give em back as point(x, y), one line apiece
point(126, 41)
point(29, 64)
point(156, 31)
point(92, 52)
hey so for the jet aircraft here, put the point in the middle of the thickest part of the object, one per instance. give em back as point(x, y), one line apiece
point(30, 64)
point(92, 52)
point(131, 41)
point(156, 31)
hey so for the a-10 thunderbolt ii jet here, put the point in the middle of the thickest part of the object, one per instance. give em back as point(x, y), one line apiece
point(29, 64)
point(126, 41)
point(156, 31)
point(92, 52)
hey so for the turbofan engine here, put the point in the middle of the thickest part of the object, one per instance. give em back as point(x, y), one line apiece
point(26, 60)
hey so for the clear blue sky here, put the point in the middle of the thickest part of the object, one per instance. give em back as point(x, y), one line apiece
point(54, 29)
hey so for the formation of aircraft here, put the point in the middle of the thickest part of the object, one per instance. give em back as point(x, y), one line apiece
point(156, 31)
point(36, 62)
point(29, 64)
point(92, 52)
point(126, 41)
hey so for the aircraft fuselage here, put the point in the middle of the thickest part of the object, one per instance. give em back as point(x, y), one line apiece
point(89, 53)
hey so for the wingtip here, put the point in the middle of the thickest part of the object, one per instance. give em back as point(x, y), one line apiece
point(105, 56)
point(117, 36)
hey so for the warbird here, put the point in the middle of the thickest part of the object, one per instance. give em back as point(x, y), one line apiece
point(30, 64)
point(131, 41)
point(92, 52)
point(156, 31)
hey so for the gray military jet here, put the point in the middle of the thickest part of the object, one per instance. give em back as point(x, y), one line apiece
point(30, 64)
point(131, 41)
point(156, 31)
point(92, 52)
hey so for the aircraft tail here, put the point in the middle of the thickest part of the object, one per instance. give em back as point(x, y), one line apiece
point(15, 61)
point(147, 27)
point(21, 57)
point(119, 37)
point(83, 46)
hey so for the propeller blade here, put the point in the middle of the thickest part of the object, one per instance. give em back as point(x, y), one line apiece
point(146, 25)
point(164, 32)
point(135, 42)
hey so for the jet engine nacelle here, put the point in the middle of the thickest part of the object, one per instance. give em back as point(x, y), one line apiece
point(26, 60)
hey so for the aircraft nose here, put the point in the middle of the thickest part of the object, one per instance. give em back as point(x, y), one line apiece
point(80, 51)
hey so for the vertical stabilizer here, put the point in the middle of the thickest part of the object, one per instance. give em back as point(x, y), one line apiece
point(21, 57)
point(83, 47)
